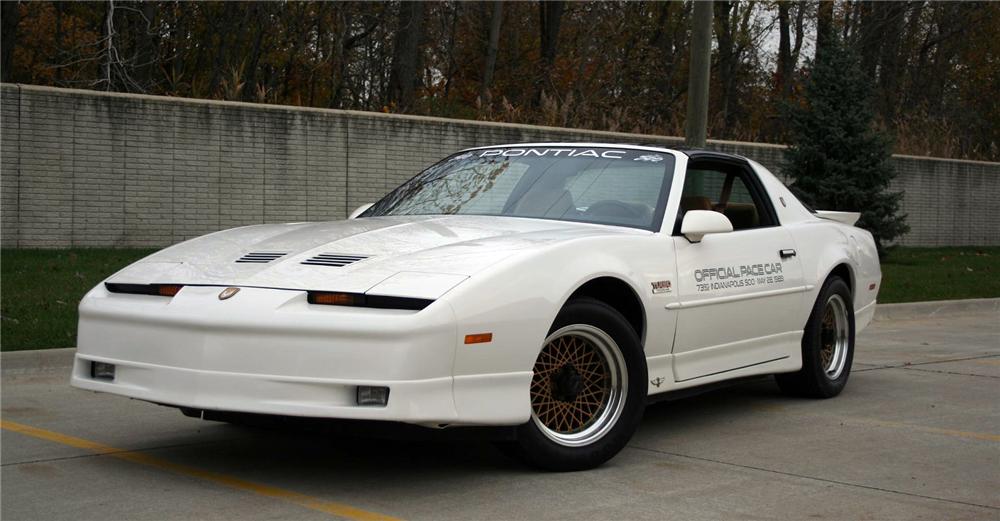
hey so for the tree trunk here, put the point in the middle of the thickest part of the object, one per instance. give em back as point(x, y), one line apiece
point(11, 15)
point(221, 51)
point(403, 74)
point(60, 9)
point(339, 62)
point(492, 48)
point(727, 15)
point(784, 51)
point(296, 20)
point(824, 26)
point(450, 73)
point(147, 52)
point(799, 33)
point(550, 17)
point(250, 86)
point(108, 34)
point(894, 16)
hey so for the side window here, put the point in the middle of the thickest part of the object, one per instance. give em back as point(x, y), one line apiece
point(724, 189)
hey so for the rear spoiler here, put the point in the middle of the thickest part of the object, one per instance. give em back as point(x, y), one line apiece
point(848, 218)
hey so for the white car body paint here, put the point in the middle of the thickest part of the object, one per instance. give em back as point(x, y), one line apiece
point(267, 350)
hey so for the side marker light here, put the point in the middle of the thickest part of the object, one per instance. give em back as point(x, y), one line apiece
point(479, 338)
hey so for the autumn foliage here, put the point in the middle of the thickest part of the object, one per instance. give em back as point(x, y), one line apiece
point(933, 67)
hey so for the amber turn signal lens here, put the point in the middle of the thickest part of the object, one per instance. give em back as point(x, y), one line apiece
point(479, 338)
point(168, 290)
point(334, 299)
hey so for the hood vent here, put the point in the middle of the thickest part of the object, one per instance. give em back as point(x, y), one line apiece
point(260, 257)
point(333, 259)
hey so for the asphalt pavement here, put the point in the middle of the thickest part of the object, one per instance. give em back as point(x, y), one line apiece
point(916, 435)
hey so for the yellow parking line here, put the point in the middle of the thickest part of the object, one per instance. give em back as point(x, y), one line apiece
point(933, 430)
point(329, 507)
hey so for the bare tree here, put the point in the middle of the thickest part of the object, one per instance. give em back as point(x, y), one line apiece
point(550, 17)
point(406, 54)
point(10, 17)
point(492, 48)
point(787, 56)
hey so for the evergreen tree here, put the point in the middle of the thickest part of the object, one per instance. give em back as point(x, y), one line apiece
point(837, 159)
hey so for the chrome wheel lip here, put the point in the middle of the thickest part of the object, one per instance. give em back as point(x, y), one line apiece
point(836, 351)
point(615, 402)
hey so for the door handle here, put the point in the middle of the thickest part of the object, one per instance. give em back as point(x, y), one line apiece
point(786, 253)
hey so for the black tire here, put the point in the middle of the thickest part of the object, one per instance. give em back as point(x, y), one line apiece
point(813, 380)
point(536, 448)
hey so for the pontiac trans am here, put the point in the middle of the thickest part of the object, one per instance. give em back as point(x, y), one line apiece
point(553, 288)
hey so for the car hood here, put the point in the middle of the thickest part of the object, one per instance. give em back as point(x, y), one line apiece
point(415, 256)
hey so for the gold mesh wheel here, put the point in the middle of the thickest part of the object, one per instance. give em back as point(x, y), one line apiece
point(578, 387)
point(834, 332)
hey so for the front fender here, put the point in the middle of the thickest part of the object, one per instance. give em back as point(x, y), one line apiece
point(519, 299)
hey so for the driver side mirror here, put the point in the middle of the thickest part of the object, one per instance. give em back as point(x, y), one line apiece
point(699, 223)
point(360, 210)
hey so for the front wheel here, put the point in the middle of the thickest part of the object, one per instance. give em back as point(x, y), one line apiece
point(587, 392)
point(827, 345)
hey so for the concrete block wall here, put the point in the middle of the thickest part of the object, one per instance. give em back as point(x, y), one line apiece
point(93, 169)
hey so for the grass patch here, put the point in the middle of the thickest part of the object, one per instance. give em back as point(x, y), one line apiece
point(40, 289)
point(919, 274)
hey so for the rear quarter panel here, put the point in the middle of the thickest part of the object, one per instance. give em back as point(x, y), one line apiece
point(824, 245)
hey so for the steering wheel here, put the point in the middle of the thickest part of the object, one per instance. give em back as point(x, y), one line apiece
point(612, 208)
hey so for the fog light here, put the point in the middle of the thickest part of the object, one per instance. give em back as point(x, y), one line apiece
point(102, 371)
point(378, 396)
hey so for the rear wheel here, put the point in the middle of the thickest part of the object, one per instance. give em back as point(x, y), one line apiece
point(587, 392)
point(827, 345)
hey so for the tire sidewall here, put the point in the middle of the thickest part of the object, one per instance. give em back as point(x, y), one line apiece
point(537, 449)
point(811, 359)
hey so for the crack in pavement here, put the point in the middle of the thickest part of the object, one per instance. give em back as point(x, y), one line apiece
point(813, 478)
point(931, 362)
point(950, 372)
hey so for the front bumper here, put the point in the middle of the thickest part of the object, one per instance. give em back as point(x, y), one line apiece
point(268, 351)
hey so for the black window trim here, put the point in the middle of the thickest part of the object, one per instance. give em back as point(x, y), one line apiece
point(754, 186)
point(659, 213)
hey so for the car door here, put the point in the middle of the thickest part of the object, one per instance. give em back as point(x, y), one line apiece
point(738, 292)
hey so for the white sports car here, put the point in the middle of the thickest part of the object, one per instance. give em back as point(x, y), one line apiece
point(552, 287)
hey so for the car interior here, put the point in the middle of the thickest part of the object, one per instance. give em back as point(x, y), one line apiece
point(724, 189)
point(585, 195)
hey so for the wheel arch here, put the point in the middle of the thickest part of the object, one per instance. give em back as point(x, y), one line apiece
point(846, 272)
point(618, 294)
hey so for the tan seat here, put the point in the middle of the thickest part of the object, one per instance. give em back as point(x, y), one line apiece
point(743, 216)
point(695, 202)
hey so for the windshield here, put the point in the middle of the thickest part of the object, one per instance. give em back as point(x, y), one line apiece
point(602, 185)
